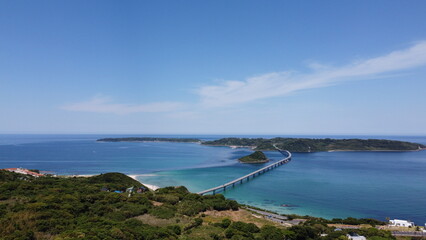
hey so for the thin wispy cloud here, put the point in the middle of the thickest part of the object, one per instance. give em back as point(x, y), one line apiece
point(283, 83)
point(275, 84)
point(102, 104)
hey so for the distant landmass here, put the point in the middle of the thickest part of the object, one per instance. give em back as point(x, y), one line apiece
point(256, 157)
point(291, 144)
point(149, 139)
point(318, 145)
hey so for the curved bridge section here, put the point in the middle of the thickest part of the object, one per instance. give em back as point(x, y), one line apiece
point(253, 174)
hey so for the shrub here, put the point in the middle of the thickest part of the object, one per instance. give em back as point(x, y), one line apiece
point(245, 227)
point(225, 223)
point(195, 223)
point(215, 236)
point(271, 233)
point(302, 232)
point(175, 228)
point(190, 208)
point(164, 211)
point(232, 233)
point(167, 198)
point(219, 203)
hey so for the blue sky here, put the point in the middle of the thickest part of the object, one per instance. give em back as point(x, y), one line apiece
point(213, 67)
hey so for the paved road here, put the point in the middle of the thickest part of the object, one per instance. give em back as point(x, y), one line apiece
point(409, 234)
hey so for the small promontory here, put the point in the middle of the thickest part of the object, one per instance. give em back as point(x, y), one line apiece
point(256, 157)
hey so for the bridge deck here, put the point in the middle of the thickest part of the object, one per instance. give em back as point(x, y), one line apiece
point(252, 174)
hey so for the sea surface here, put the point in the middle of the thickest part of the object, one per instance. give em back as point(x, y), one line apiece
point(324, 184)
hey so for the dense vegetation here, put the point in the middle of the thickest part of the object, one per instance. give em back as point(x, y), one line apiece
point(77, 208)
point(317, 145)
point(148, 139)
point(256, 157)
point(68, 208)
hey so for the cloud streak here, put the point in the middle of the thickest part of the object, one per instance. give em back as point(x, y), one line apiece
point(101, 104)
point(284, 83)
point(275, 84)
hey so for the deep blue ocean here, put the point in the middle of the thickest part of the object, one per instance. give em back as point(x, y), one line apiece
point(324, 184)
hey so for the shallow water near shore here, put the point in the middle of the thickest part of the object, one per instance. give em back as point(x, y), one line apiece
point(324, 184)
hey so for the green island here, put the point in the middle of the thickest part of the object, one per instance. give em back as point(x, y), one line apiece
point(291, 144)
point(317, 145)
point(99, 207)
point(256, 157)
point(149, 139)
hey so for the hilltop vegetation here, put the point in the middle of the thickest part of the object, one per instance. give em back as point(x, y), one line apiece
point(148, 139)
point(256, 157)
point(71, 208)
point(76, 208)
point(318, 145)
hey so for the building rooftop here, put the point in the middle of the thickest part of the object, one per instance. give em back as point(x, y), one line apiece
point(24, 171)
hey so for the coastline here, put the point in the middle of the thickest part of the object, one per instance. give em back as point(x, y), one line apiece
point(150, 186)
point(255, 162)
point(126, 159)
point(342, 150)
point(337, 150)
point(151, 141)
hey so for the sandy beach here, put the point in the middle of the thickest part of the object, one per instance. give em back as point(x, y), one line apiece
point(150, 186)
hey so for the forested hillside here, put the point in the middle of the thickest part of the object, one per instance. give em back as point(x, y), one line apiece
point(99, 208)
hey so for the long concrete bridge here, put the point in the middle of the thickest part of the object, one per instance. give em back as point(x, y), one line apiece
point(252, 174)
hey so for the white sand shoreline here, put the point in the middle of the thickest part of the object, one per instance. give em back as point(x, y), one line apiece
point(150, 186)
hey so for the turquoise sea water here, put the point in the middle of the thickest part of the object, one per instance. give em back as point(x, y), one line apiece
point(325, 184)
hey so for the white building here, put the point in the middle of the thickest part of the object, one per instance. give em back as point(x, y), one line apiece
point(354, 236)
point(400, 223)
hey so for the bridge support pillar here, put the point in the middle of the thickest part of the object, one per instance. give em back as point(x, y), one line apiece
point(253, 175)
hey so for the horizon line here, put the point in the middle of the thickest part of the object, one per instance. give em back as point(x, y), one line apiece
point(216, 134)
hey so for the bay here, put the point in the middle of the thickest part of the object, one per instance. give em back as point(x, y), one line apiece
point(324, 184)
